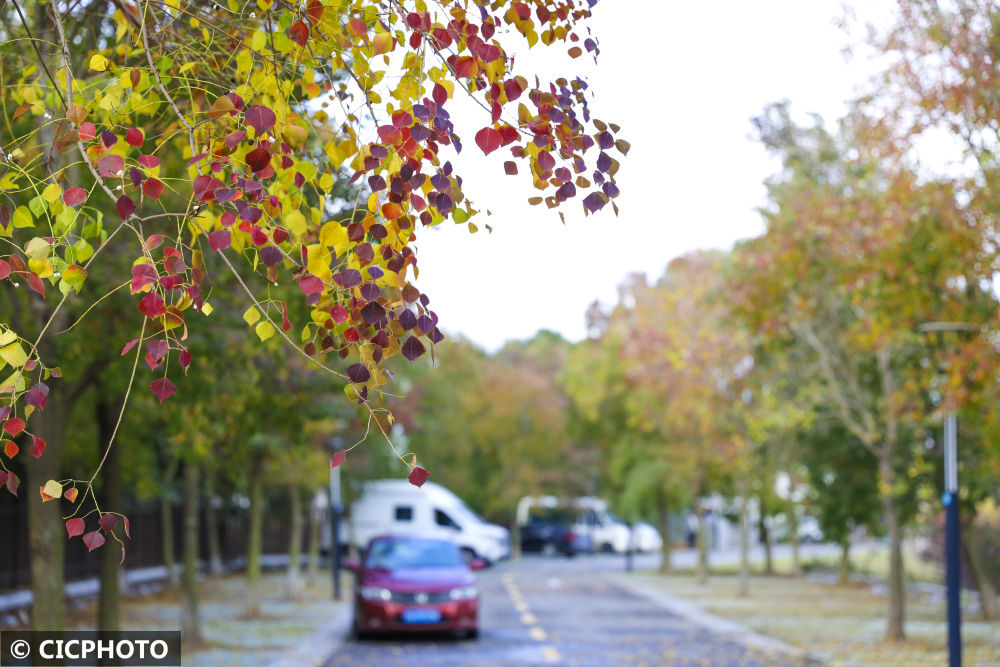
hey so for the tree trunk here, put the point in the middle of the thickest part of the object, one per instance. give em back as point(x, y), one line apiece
point(793, 538)
point(212, 529)
point(897, 592)
point(765, 537)
point(190, 619)
point(46, 532)
point(252, 607)
point(744, 542)
point(987, 593)
point(315, 528)
point(663, 509)
point(167, 519)
point(109, 598)
point(294, 581)
point(702, 548)
point(845, 562)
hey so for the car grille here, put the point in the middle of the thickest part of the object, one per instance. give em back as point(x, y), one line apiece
point(421, 597)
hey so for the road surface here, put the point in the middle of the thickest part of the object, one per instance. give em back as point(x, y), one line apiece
point(556, 611)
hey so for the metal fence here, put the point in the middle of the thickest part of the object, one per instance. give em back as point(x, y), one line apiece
point(144, 549)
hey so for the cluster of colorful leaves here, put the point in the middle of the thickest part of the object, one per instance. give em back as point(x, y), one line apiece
point(222, 128)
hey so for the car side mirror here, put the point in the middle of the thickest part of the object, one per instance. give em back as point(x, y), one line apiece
point(477, 564)
point(352, 565)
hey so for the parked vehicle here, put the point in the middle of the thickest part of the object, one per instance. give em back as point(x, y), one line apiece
point(550, 536)
point(394, 506)
point(646, 538)
point(415, 584)
point(606, 532)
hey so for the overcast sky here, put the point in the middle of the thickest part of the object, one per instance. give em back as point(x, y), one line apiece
point(682, 79)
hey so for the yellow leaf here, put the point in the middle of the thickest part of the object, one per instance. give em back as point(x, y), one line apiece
point(319, 262)
point(382, 43)
point(22, 217)
point(37, 248)
point(296, 223)
point(53, 489)
point(251, 315)
point(259, 41)
point(41, 267)
point(334, 235)
point(206, 308)
point(13, 354)
point(98, 63)
point(186, 67)
point(264, 330)
point(51, 193)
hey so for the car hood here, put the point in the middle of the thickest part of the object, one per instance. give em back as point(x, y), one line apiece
point(419, 578)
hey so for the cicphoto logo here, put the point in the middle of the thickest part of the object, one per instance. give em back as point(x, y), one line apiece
point(79, 647)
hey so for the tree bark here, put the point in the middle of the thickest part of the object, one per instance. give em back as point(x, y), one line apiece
point(190, 618)
point(702, 548)
point(744, 590)
point(315, 528)
point(109, 597)
point(765, 537)
point(897, 592)
point(793, 537)
point(663, 509)
point(845, 562)
point(294, 580)
point(987, 593)
point(215, 566)
point(167, 519)
point(252, 607)
point(46, 534)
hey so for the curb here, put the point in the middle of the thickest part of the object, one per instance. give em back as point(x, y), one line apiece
point(316, 650)
point(721, 626)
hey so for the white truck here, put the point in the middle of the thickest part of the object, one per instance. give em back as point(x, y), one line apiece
point(394, 506)
point(607, 533)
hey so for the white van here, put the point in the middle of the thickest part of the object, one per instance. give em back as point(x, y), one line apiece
point(607, 533)
point(394, 506)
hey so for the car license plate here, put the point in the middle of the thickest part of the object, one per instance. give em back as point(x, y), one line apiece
point(421, 616)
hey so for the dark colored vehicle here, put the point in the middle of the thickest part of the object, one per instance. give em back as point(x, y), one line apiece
point(550, 537)
point(414, 584)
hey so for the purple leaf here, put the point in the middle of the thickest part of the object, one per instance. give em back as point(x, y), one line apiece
point(260, 118)
point(413, 348)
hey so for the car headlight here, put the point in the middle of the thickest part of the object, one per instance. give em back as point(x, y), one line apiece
point(464, 593)
point(376, 593)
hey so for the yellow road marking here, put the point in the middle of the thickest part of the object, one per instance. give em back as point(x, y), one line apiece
point(537, 633)
point(521, 607)
point(528, 619)
point(550, 654)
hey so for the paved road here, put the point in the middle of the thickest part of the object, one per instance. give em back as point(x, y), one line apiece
point(559, 612)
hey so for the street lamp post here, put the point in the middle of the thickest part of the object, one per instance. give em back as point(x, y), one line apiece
point(336, 508)
point(953, 567)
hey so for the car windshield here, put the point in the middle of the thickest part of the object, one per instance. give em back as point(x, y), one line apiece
point(397, 554)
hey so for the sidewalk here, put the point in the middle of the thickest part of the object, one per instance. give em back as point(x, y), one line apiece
point(305, 627)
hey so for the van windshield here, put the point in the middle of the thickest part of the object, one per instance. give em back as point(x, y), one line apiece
point(397, 554)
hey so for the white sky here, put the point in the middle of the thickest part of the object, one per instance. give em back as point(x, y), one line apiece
point(682, 79)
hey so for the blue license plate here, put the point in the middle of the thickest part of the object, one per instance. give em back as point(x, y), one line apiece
point(421, 616)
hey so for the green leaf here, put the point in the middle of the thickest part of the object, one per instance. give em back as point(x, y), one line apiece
point(23, 218)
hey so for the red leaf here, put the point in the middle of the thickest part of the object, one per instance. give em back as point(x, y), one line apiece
point(219, 239)
point(513, 89)
point(125, 207)
point(337, 458)
point(152, 188)
point(36, 398)
point(74, 527)
point(311, 285)
point(12, 483)
point(108, 522)
point(351, 335)
point(152, 305)
point(184, 359)
point(13, 426)
point(163, 388)
point(154, 241)
point(258, 159)
point(93, 540)
point(314, 10)
point(37, 446)
point(134, 136)
point(74, 196)
point(510, 168)
point(439, 94)
point(204, 187)
point(4, 269)
point(299, 32)
point(488, 140)
point(10, 449)
point(339, 313)
point(87, 131)
point(36, 284)
point(260, 118)
point(148, 161)
point(418, 476)
point(70, 494)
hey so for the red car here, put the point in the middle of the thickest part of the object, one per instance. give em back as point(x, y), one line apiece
point(406, 584)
